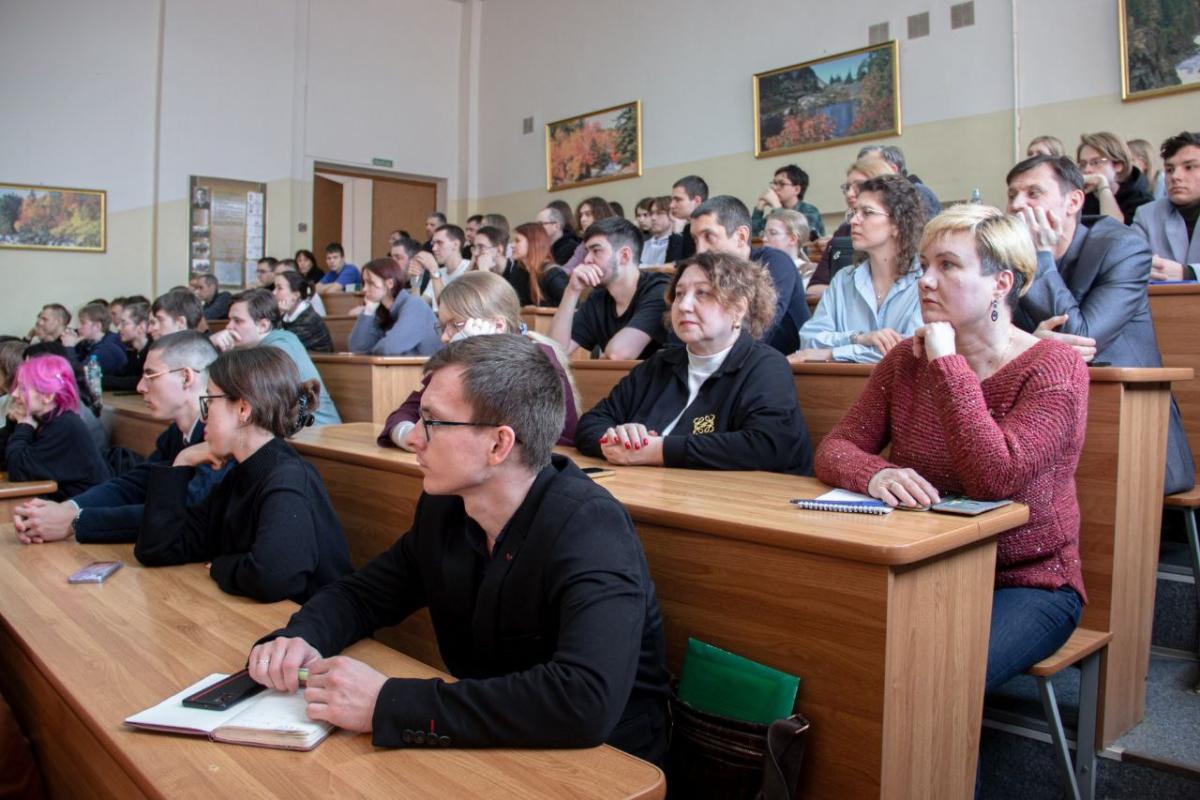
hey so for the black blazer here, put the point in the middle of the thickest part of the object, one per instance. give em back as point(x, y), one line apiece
point(268, 528)
point(556, 638)
point(1101, 284)
point(59, 449)
point(746, 415)
point(311, 330)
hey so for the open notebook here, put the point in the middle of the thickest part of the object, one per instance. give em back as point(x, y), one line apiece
point(269, 719)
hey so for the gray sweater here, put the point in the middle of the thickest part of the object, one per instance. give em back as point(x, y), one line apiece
point(413, 331)
point(327, 413)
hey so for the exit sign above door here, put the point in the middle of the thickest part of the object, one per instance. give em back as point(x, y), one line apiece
point(382, 162)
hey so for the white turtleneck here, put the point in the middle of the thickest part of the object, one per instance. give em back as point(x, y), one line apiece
point(700, 369)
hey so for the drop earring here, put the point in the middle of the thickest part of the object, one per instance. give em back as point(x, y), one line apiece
point(995, 310)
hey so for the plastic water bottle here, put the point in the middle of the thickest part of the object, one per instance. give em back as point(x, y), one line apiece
point(93, 374)
point(976, 197)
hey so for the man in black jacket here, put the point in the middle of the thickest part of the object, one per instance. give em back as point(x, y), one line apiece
point(535, 580)
point(214, 302)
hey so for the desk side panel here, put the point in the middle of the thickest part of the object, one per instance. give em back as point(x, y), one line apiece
point(938, 623)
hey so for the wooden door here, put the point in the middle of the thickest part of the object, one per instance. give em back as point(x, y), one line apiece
point(327, 216)
point(399, 204)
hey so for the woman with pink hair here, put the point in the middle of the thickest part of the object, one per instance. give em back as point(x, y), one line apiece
point(48, 440)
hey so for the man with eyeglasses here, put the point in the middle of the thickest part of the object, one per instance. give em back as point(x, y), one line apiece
point(1091, 285)
point(562, 241)
point(173, 378)
point(541, 599)
point(1114, 187)
point(787, 190)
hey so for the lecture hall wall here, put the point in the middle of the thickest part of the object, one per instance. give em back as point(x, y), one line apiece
point(249, 90)
point(261, 90)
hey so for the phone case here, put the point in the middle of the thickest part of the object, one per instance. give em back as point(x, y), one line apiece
point(225, 693)
point(95, 572)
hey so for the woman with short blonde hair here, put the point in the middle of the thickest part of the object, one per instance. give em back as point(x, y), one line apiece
point(787, 229)
point(972, 405)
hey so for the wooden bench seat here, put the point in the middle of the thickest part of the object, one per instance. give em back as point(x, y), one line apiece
point(1188, 499)
point(1083, 643)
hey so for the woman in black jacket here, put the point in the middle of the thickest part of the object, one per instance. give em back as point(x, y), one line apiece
point(723, 400)
point(268, 529)
point(299, 317)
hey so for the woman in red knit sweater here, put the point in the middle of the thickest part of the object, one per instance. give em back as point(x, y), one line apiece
point(973, 405)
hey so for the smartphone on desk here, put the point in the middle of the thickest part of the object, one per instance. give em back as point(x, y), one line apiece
point(96, 572)
point(596, 473)
point(225, 693)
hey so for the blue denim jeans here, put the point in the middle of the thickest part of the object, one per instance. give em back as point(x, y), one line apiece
point(1027, 626)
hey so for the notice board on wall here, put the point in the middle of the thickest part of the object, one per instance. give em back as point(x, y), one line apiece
point(228, 228)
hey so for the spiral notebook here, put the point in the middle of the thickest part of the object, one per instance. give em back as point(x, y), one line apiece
point(842, 500)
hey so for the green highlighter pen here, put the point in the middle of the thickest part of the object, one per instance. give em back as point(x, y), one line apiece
point(303, 676)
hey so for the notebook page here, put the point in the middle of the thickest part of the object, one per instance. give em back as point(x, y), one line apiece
point(844, 496)
point(172, 714)
point(277, 712)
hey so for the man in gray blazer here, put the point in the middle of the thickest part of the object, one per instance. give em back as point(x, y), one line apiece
point(1091, 285)
point(1169, 224)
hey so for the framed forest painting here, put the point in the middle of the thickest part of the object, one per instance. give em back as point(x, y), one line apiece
point(599, 146)
point(828, 101)
point(52, 218)
point(1160, 47)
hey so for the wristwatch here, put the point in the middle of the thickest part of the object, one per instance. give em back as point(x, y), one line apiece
point(78, 514)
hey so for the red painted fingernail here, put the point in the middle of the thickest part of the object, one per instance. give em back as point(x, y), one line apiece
point(627, 445)
point(645, 441)
point(603, 440)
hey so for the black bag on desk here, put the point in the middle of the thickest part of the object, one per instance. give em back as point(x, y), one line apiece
point(712, 756)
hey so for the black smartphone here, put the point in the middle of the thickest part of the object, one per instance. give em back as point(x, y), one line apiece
point(225, 693)
point(596, 473)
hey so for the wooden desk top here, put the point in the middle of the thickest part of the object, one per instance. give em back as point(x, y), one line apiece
point(379, 361)
point(752, 506)
point(131, 404)
point(114, 649)
point(1191, 287)
point(15, 489)
point(538, 311)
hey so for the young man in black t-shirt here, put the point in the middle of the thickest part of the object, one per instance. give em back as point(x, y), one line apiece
point(624, 313)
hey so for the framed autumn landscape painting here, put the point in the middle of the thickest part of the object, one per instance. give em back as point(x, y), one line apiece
point(52, 218)
point(600, 146)
point(828, 101)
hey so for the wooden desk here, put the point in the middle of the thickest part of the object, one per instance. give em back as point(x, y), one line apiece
point(368, 388)
point(338, 304)
point(216, 325)
point(339, 331)
point(856, 605)
point(134, 426)
point(76, 660)
point(13, 494)
point(537, 319)
point(1119, 484)
point(1175, 309)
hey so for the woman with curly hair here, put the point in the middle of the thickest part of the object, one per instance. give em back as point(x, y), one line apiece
point(872, 307)
point(724, 400)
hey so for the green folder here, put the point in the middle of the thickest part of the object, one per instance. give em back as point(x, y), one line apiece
point(720, 682)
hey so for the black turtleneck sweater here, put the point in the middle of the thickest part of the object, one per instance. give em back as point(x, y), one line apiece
point(268, 528)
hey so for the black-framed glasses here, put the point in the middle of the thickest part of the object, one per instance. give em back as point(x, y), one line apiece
point(430, 424)
point(204, 398)
point(777, 184)
point(150, 376)
point(439, 328)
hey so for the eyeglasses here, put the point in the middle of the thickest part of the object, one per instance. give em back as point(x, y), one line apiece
point(1089, 163)
point(204, 401)
point(846, 187)
point(550, 222)
point(150, 376)
point(780, 184)
point(430, 424)
point(439, 328)
point(866, 212)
